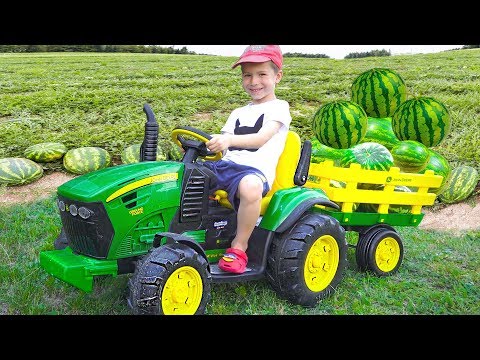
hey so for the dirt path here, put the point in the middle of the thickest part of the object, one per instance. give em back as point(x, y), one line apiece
point(455, 217)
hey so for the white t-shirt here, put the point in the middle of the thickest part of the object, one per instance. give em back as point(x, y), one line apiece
point(249, 119)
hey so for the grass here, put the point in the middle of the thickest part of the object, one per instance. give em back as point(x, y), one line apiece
point(97, 99)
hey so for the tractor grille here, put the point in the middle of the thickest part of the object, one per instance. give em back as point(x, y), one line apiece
point(92, 236)
point(193, 197)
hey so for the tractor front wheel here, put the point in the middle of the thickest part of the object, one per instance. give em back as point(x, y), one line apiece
point(170, 280)
point(306, 263)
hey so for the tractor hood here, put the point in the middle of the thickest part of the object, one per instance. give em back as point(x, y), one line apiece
point(100, 184)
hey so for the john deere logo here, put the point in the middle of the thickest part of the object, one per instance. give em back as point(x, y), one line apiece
point(389, 179)
point(401, 180)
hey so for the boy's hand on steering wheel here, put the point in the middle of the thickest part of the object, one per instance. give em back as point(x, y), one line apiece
point(219, 142)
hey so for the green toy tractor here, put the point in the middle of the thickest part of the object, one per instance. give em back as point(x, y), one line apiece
point(158, 221)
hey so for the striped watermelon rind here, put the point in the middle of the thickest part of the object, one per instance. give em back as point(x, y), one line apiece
point(322, 152)
point(379, 91)
point(370, 156)
point(461, 184)
point(440, 166)
point(392, 209)
point(19, 171)
point(45, 152)
point(423, 119)
point(131, 154)
point(410, 156)
point(340, 124)
point(86, 159)
point(380, 130)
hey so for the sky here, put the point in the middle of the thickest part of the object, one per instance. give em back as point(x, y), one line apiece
point(333, 51)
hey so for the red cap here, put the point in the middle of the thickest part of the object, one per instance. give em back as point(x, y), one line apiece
point(261, 53)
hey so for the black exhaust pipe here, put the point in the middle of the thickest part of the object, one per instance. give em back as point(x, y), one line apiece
point(148, 150)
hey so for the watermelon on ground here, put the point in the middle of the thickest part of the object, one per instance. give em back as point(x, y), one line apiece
point(340, 124)
point(461, 184)
point(410, 156)
point(380, 130)
point(131, 154)
point(422, 119)
point(370, 156)
point(86, 159)
point(45, 152)
point(19, 171)
point(379, 92)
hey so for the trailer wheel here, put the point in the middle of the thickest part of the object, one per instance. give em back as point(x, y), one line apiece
point(170, 280)
point(379, 250)
point(306, 263)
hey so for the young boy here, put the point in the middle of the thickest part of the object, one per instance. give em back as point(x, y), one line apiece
point(255, 136)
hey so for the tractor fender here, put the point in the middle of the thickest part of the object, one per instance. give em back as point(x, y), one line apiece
point(179, 238)
point(288, 205)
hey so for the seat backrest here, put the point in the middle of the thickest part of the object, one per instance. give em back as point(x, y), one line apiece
point(287, 163)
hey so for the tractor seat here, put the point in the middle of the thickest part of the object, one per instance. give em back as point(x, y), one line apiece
point(284, 175)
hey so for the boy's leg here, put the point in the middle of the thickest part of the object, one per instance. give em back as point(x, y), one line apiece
point(250, 191)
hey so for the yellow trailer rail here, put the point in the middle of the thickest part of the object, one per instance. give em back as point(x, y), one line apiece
point(358, 189)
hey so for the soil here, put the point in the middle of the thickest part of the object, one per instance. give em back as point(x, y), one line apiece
point(457, 217)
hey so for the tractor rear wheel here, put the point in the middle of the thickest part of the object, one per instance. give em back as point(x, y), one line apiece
point(379, 250)
point(170, 280)
point(306, 263)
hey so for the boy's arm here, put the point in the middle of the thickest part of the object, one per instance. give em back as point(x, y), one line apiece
point(220, 142)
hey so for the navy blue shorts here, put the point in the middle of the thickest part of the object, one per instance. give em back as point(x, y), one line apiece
point(228, 176)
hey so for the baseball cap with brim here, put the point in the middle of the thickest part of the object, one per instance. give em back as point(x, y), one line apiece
point(261, 53)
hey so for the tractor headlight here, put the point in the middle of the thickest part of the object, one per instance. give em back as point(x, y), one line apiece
point(84, 212)
point(61, 205)
point(73, 210)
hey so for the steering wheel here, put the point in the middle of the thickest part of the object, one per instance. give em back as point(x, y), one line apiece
point(198, 143)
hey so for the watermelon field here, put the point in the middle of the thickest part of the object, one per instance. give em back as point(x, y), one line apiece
point(96, 100)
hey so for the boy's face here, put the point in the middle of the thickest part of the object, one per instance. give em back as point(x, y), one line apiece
point(259, 80)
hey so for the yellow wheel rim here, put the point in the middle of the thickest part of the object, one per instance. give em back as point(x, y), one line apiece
point(183, 292)
point(321, 263)
point(387, 254)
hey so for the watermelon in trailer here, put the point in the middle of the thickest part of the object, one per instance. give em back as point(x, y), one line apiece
point(86, 159)
point(380, 130)
point(19, 171)
point(340, 124)
point(322, 152)
point(410, 156)
point(370, 156)
point(422, 119)
point(440, 166)
point(379, 92)
point(45, 152)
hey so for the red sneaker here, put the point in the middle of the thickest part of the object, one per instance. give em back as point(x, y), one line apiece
point(234, 261)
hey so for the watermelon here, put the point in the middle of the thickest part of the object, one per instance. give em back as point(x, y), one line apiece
point(172, 150)
point(19, 171)
point(440, 166)
point(131, 154)
point(45, 152)
point(392, 209)
point(86, 159)
point(340, 124)
point(380, 130)
point(410, 156)
point(461, 184)
point(322, 152)
point(423, 119)
point(370, 156)
point(379, 92)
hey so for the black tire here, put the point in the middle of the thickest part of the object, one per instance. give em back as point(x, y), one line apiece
point(379, 251)
point(61, 241)
point(154, 291)
point(306, 263)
